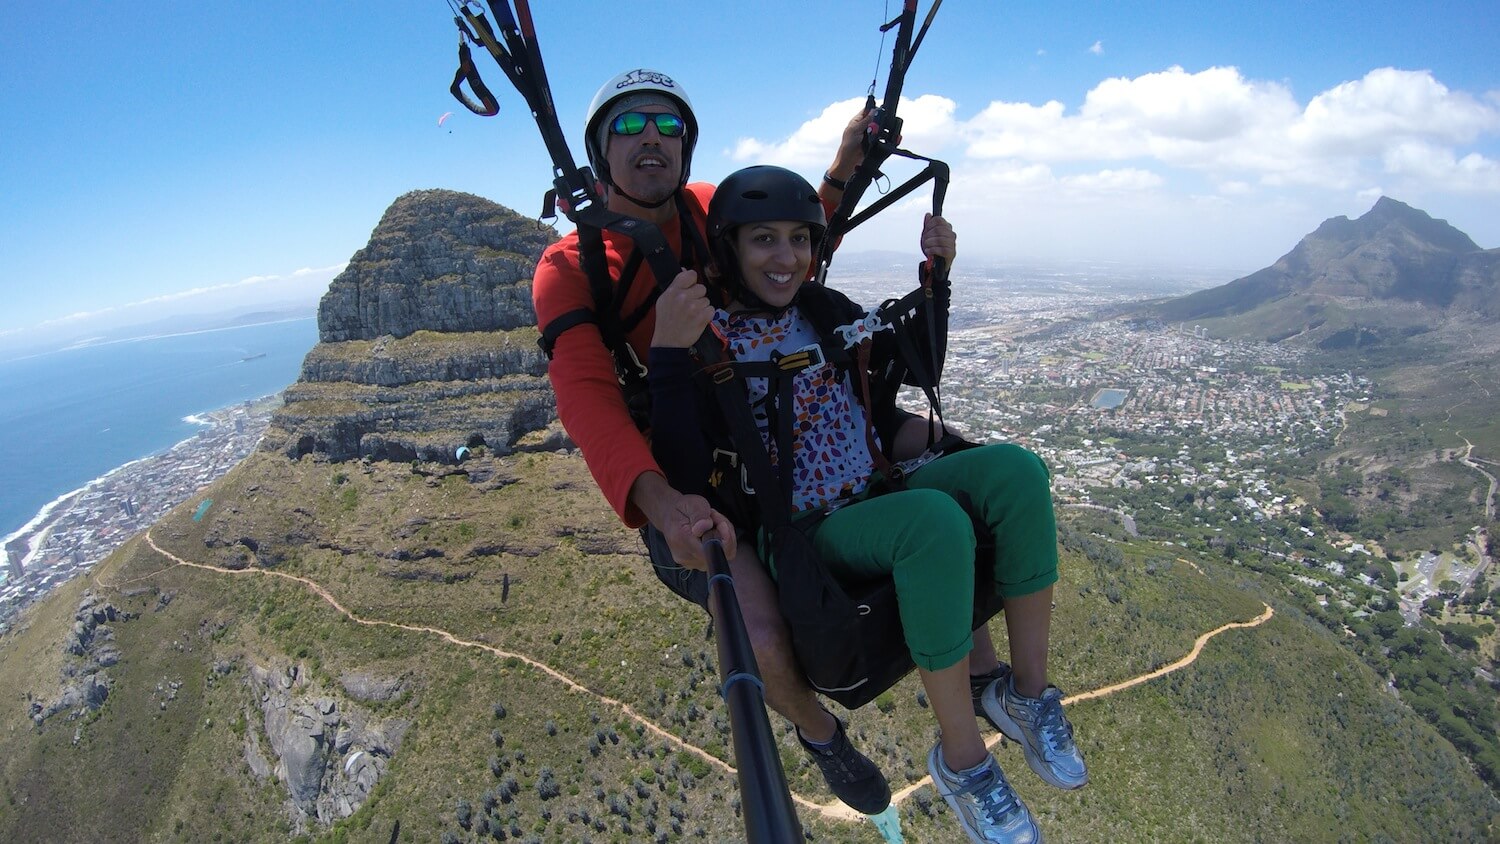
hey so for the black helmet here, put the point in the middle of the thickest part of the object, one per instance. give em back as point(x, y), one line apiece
point(760, 194)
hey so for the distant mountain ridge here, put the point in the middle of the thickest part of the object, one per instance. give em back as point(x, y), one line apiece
point(1393, 257)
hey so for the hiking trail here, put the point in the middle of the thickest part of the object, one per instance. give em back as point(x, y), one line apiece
point(834, 810)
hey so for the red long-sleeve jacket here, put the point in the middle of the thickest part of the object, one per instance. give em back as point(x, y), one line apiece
point(582, 370)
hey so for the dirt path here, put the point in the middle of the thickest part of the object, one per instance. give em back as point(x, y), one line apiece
point(1192, 656)
point(1469, 460)
point(1343, 424)
point(834, 810)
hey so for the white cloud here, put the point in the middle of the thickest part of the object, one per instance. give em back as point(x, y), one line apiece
point(249, 281)
point(1390, 106)
point(1125, 179)
point(1439, 167)
point(1217, 121)
point(234, 293)
point(1098, 48)
point(927, 122)
point(1187, 162)
point(1178, 106)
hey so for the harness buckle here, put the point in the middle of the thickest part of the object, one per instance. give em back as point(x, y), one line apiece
point(807, 357)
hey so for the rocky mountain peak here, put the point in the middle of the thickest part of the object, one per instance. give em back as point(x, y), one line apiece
point(438, 260)
point(428, 341)
point(1394, 221)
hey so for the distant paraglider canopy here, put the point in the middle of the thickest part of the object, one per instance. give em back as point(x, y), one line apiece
point(444, 119)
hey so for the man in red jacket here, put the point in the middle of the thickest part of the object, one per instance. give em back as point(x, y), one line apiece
point(640, 135)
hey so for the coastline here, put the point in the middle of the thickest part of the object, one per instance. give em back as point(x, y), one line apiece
point(79, 528)
point(34, 533)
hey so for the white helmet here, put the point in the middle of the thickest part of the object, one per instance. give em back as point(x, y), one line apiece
point(637, 82)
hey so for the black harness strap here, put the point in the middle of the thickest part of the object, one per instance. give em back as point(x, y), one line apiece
point(910, 366)
point(487, 106)
point(555, 328)
point(745, 434)
point(936, 171)
point(882, 141)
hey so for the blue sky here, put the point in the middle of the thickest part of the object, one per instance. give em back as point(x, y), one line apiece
point(167, 156)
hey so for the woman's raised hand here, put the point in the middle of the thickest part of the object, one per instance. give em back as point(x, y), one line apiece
point(938, 239)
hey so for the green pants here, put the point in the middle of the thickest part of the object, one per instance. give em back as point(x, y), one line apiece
point(925, 541)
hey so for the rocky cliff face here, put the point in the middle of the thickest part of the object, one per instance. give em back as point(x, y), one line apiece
point(329, 753)
point(427, 341)
point(91, 649)
point(437, 261)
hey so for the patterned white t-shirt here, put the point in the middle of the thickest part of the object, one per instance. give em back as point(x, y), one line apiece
point(831, 460)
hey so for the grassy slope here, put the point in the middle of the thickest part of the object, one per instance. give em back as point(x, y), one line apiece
point(1443, 391)
point(1275, 733)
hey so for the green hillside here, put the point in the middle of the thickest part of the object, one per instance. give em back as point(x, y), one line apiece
point(1276, 731)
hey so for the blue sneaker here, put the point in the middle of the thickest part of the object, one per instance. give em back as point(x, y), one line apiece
point(1042, 730)
point(987, 807)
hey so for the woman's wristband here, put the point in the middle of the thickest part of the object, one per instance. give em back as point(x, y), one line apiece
point(829, 180)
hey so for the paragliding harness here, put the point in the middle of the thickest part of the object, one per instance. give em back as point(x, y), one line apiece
point(769, 813)
point(848, 639)
point(848, 636)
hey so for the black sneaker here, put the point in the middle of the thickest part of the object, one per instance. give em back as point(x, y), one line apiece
point(978, 683)
point(850, 775)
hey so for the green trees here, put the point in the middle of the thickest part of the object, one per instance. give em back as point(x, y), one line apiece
point(1436, 682)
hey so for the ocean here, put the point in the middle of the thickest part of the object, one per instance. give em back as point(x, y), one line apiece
point(71, 416)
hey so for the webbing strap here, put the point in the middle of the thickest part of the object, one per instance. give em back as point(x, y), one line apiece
point(555, 328)
point(787, 365)
point(756, 460)
point(882, 464)
point(936, 171)
point(515, 49)
point(924, 372)
point(487, 106)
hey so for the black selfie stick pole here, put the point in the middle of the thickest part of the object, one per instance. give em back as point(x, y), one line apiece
point(764, 796)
